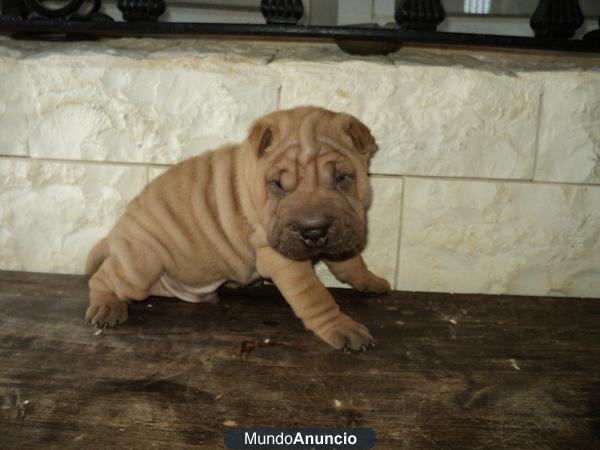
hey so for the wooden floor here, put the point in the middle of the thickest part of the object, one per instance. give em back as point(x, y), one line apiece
point(448, 371)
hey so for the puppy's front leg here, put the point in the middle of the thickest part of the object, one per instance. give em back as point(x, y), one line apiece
point(311, 301)
point(353, 271)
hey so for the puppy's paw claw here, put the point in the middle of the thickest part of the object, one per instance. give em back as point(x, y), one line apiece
point(345, 334)
point(377, 285)
point(106, 314)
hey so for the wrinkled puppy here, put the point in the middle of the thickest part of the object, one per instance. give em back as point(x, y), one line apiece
point(294, 191)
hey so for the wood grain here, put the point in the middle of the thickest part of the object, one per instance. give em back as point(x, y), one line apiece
point(448, 371)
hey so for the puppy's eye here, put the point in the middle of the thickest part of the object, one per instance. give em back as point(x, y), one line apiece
point(343, 179)
point(277, 187)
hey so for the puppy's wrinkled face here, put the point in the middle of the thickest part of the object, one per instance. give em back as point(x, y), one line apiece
point(313, 169)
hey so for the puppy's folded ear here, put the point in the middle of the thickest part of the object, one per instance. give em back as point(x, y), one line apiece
point(361, 136)
point(260, 138)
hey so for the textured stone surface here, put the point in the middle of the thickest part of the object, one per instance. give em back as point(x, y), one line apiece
point(384, 231)
point(434, 113)
point(569, 134)
point(515, 238)
point(143, 115)
point(428, 119)
point(140, 104)
point(15, 107)
point(52, 213)
point(467, 114)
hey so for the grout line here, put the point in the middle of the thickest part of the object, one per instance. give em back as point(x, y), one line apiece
point(374, 174)
point(279, 88)
point(89, 162)
point(537, 136)
point(483, 180)
point(399, 240)
point(280, 85)
point(15, 156)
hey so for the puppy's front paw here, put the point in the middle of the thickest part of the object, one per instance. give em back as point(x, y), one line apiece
point(377, 285)
point(106, 314)
point(344, 333)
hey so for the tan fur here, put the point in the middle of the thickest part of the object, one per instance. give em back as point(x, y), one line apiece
point(96, 257)
point(222, 217)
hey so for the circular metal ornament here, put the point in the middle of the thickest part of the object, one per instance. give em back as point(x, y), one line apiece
point(53, 13)
point(141, 10)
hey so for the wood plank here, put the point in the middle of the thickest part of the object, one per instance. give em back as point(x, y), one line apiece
point(468, 371)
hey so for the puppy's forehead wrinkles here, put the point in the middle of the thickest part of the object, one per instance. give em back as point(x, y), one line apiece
point(279, 148)
point(349, 153)
point(308, 145)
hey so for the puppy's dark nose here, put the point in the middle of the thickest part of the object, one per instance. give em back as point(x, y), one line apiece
point(314, 234)
point(313, 230)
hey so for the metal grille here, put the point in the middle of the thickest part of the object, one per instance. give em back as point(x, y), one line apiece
point(554, 23)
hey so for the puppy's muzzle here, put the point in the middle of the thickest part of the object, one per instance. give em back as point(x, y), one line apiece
point(313, 230)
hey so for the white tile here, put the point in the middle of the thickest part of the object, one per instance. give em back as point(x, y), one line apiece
point(51, 213)
point(500, 238)
point(428, 120)
point(569, 135)
point(15, 107)
point(143, 115)
point(130, 100)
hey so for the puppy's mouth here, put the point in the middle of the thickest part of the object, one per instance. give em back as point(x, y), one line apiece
point(314, 239)
point(300, 246)
point(314, 243)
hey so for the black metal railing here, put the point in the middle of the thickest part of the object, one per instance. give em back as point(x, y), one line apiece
point(554, 23)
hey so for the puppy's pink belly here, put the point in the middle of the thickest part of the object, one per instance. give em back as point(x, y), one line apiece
point(166, 286)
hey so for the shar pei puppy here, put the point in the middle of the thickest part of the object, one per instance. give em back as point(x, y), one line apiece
point(294, 191)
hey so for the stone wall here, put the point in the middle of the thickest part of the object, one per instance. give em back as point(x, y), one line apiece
point(487, 179)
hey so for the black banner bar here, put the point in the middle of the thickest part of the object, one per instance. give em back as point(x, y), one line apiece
point(300, 438)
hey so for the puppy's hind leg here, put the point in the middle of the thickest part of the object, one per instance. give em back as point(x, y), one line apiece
point(126, 274)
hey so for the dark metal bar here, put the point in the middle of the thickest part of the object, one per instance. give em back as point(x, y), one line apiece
point(13, 9)
point(420, 14)
point(556, 18)
point(282, 11)
point(157, 29)
point(142, 10)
